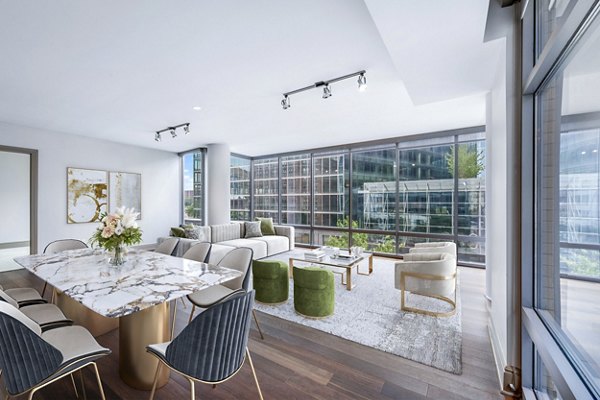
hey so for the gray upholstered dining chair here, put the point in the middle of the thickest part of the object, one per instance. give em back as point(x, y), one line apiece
point(62, 245)
point(213, 347)
point(47, 316)
point(167, 246)
point(239, 259)
point(198, 252)
point(31, 359)
point(24, 296)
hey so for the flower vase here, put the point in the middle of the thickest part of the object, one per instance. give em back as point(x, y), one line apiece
point(118, 257)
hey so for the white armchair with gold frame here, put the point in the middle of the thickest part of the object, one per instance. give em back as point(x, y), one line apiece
point(434, 247)
point(427, 274)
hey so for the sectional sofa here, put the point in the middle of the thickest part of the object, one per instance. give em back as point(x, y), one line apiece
point(224, 237)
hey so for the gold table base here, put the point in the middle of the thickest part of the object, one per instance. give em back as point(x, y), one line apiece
point(137, 367)
point(81, 315)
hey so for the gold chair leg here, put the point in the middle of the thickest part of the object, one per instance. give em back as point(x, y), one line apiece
point(183, 302)
point(257, 325)
point(192, 389)
point(99, 381)
point(74, 386)
point(192, 313)
point(158, 368)
point(254, 373)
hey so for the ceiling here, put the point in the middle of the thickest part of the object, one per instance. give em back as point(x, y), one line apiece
point(120, 70)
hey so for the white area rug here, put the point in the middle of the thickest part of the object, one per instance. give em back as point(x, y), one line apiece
point(370, 315)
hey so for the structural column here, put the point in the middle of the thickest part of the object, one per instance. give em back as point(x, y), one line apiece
point(217, 183)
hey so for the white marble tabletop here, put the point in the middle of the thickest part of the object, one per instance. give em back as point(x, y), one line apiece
point(146, 279)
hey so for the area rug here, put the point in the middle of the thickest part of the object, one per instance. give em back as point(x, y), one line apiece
point(370, 314)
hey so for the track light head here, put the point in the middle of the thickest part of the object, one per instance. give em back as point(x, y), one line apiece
point(285, 103)
point(157, 137)
point(173, 133)
point(186, 129)
point(326, 91)
point(362, 82)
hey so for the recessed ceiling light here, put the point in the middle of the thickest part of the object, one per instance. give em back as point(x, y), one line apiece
point(197, 108)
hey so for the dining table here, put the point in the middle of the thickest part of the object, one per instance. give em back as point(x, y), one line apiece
point(138, 293)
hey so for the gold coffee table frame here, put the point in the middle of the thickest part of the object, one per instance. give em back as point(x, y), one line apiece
point(347, 264)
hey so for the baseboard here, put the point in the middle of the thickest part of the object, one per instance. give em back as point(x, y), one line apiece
point(499, 355)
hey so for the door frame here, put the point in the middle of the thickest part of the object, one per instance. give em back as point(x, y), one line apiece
point(33, 192)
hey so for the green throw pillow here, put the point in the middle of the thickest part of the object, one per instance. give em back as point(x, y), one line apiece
point(266, 226)
point(178, 232)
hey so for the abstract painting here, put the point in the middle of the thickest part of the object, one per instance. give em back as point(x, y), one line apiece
point(87, 192)
point(125, 190)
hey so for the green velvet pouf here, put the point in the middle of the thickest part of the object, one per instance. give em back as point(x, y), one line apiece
point(270, 280)
point(314, 292)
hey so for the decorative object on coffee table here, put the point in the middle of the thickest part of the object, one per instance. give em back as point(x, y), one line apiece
point(270, 281)
point(116, 231)
point(314, 292)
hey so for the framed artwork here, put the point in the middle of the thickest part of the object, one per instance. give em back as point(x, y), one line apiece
point(87, 195)
point(125, 190)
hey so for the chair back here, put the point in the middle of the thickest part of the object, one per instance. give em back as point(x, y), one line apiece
point(435, 247)
point(433, 264)
point(6, 298)
point(239, 259)
point(64, 244)
point(212, 347)
point(167, 246)
point(25, 358)
point(198, 252)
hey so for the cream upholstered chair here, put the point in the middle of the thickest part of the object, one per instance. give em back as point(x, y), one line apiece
point(62, 245)
point(427, 274)
point(435, 247)
point(198, 252)
point(167, 247)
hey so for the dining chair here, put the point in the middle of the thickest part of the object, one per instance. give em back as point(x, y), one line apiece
point(62, 245)
point(24, 296)
point(47, 316)
point(239, 259)
point(213, 347)
point(167, 246)
point(198, 252)
point(31, 359)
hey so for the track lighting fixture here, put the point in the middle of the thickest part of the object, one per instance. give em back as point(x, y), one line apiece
point(362, 86)
point(326, 91)
point(173, 131)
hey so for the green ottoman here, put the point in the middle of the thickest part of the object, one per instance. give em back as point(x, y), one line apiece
point(270, 280)
point(314, 292)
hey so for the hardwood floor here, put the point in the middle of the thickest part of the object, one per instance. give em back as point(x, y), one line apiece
point(297, 362)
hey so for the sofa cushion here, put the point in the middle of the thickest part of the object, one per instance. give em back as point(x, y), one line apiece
point(266, 226)
point(275, 244)
point(223, 232)
point(252, 229)
point(259, 247)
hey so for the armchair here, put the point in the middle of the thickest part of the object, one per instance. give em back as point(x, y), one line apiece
point(435, 247)
point(427, 274)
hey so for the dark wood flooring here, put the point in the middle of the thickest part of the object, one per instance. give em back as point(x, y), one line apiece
point(297, 362)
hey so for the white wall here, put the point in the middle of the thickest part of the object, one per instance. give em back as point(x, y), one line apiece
point(160, 179)
point(14, 197)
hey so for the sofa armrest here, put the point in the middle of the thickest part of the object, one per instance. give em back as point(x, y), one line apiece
point(289, 232)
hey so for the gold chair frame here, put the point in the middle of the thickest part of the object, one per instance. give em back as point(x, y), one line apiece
point(193, 380)
point(430, 277)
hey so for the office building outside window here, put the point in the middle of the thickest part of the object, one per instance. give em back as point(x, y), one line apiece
point(193, 187)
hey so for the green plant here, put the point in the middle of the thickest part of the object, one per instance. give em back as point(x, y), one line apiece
point(470, 162)
point(117, 229)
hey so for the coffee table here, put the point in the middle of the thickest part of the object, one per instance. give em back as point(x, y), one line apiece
point(347, 264)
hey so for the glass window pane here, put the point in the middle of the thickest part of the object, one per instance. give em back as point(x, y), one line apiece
point(374, 189)
point(550, 14)
point(407, 242)
point(193, 189)
point(331, 238)
point(426, 189)
point(471, 189)
point(266, 188)
point(567, 207)
point(543, 384)
point(239, 175)
point(295, 190)
point(375, 243)
point(331, 189)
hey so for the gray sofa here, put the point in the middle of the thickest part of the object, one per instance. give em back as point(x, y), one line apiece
point(224, 237)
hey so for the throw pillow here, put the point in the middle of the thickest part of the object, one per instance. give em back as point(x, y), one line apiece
point(191, 233)
point(266, 226)
point(177, 232)
point(252, 229)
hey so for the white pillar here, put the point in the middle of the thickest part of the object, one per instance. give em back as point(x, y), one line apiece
point(217, 183)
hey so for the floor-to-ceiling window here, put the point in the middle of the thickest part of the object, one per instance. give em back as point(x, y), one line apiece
point(239, 178)
point(561, 278)
point(193, 186)
point(382, 197)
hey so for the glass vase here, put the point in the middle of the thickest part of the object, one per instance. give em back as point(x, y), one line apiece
point(118, 256)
